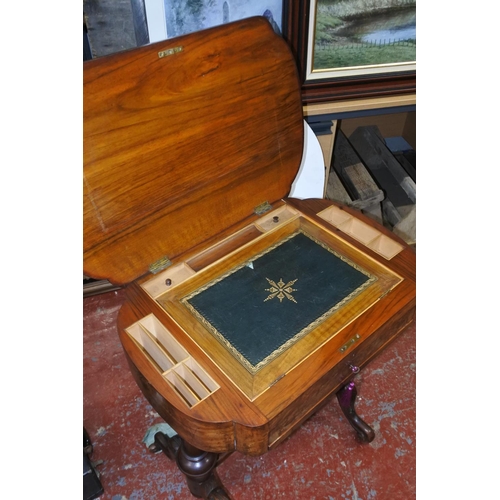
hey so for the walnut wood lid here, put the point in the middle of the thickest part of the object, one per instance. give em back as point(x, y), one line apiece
point(182, 139)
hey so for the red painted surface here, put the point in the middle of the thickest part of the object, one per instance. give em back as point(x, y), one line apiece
point(322, 460)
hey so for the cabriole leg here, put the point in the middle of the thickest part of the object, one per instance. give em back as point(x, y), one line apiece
point(346, 398)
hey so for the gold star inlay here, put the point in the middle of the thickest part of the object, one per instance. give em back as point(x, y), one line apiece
point(281, 290)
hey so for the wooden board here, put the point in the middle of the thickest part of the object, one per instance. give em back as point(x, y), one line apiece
point(358, 181)
point(381, 163)
point(182, 139)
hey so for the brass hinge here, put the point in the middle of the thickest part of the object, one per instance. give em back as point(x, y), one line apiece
point(262, 208)
point(170, 52)
point(159, 265)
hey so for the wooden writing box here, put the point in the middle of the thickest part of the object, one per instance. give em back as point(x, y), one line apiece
point(245, 310)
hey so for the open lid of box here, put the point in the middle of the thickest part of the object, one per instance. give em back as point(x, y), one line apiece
point(183, 139)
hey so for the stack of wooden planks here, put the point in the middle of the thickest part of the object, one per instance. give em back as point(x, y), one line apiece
point(367, 175)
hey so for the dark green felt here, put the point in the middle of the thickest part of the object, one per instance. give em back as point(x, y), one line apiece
point(236, 308)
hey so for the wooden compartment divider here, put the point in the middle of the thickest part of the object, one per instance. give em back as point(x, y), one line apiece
point(362, 232)
point(189, 380)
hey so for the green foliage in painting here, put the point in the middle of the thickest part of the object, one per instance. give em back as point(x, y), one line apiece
point(355, 33)
point(348, 8)
point(349, 56)
point(324, 23)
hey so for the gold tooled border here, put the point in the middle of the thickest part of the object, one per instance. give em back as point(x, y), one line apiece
point(253, 369)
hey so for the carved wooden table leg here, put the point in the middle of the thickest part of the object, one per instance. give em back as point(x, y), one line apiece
point(199, 468)
point(346, 398)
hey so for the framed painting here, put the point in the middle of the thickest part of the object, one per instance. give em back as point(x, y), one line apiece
point(347, 49)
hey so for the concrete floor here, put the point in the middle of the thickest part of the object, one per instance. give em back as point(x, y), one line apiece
point(322, 460)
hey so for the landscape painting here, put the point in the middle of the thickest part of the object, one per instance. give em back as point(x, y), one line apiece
point(187, 16)
point(359, 37)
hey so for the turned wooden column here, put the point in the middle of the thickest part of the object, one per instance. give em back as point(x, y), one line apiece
point(199, 468)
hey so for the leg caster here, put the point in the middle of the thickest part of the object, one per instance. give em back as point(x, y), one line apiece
point(199, 468)
point(346, 398)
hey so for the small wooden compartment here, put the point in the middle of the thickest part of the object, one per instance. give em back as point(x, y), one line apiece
point(276, 219)
point(168, 279)
point(362, 232)
point(153, 349)
point(184, 374)
point(191, 381)
point(385, 246)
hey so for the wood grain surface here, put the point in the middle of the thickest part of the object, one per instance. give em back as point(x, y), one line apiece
point(178, 148)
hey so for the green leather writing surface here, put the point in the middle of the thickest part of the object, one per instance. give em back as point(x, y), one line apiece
point(259, 309)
